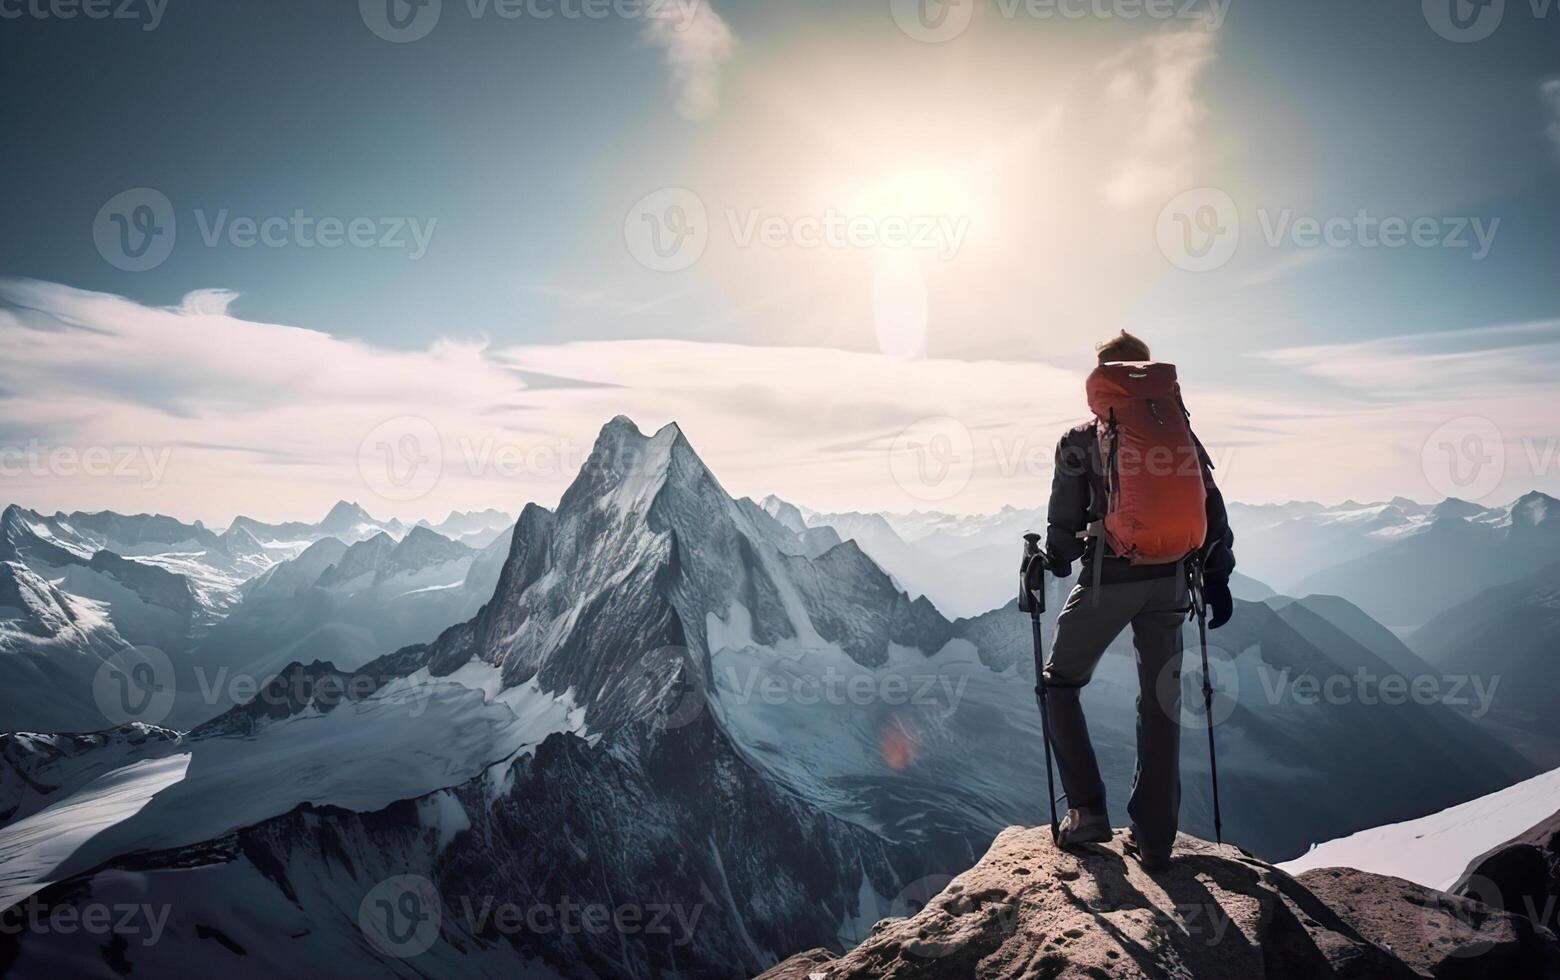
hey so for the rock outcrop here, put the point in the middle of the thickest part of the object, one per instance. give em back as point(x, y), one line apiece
point(1435, 933)
point(1521, 876)
point(1030, 910)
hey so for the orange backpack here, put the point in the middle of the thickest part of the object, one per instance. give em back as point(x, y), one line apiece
point(1156, 500)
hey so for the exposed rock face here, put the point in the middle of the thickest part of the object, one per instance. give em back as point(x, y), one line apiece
point(1437, 934)
point(1521, 876)
point(1030, 910)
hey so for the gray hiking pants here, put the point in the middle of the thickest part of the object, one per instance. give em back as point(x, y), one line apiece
point(1155, 609)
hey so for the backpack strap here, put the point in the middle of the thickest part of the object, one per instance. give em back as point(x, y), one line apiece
point(1096, 530)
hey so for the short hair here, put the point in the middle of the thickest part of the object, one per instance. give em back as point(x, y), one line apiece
point(1122, 347)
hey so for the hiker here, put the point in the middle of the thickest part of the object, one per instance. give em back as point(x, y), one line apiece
point(1133, 496)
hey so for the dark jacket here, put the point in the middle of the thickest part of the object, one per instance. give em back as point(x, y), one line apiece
point(1078, 499)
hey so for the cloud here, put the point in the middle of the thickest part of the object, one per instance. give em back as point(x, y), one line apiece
point(210, 301)
point(514, 423)
point(697, 42)
point(272, 420)
point(1289, 262)
point(1475, 362)
point(1151, 90)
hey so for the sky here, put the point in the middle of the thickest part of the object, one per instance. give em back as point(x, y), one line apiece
point(261, 256)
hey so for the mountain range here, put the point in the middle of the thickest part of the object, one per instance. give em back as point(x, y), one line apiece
point(668, 703)
point(78, 589)
point(1400, 561)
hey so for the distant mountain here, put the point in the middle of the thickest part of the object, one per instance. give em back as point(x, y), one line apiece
point(67, 604)
point(78, 588)
point(1508, 635)
point(964, 565)
point(1248, 588)
point(1453, 554)
point(342, 605)
point(345, 521)
point(1336, 624)
point(476, 529)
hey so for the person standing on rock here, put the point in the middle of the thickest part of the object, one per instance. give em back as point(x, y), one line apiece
point(1133, 496)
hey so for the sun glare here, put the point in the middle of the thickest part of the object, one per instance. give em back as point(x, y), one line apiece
point(916, 194)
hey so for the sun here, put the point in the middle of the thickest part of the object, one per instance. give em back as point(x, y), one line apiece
point(917, 194)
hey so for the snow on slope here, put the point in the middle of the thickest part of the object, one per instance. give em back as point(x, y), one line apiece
point(414, 735)
point(32, 848)
point(1435, 850)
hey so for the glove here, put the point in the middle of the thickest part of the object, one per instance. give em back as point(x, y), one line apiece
point(1221, 605)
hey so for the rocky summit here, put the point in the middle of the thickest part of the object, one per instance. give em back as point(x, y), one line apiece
point(1030, 910)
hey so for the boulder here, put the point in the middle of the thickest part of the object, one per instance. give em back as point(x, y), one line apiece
point(1437, 934)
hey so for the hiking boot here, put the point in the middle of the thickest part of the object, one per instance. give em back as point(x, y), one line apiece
point(1084, 827)
point(1152, 863)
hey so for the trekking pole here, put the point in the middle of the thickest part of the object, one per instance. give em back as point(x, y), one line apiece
point(1200, 604)
point(1031, 599)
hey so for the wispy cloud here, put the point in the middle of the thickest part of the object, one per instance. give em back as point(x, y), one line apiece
point(89, 369)
point(1289, 262)
point(1152, 92)
point(513, 424)
point(1480, 361)
point(697, 42)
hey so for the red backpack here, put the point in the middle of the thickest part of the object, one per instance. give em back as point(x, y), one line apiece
point(1156, 500)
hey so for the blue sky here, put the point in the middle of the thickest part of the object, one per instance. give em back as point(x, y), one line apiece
point(504, 172)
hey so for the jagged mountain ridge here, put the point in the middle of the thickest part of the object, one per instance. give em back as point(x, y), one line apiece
point(615, 802)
